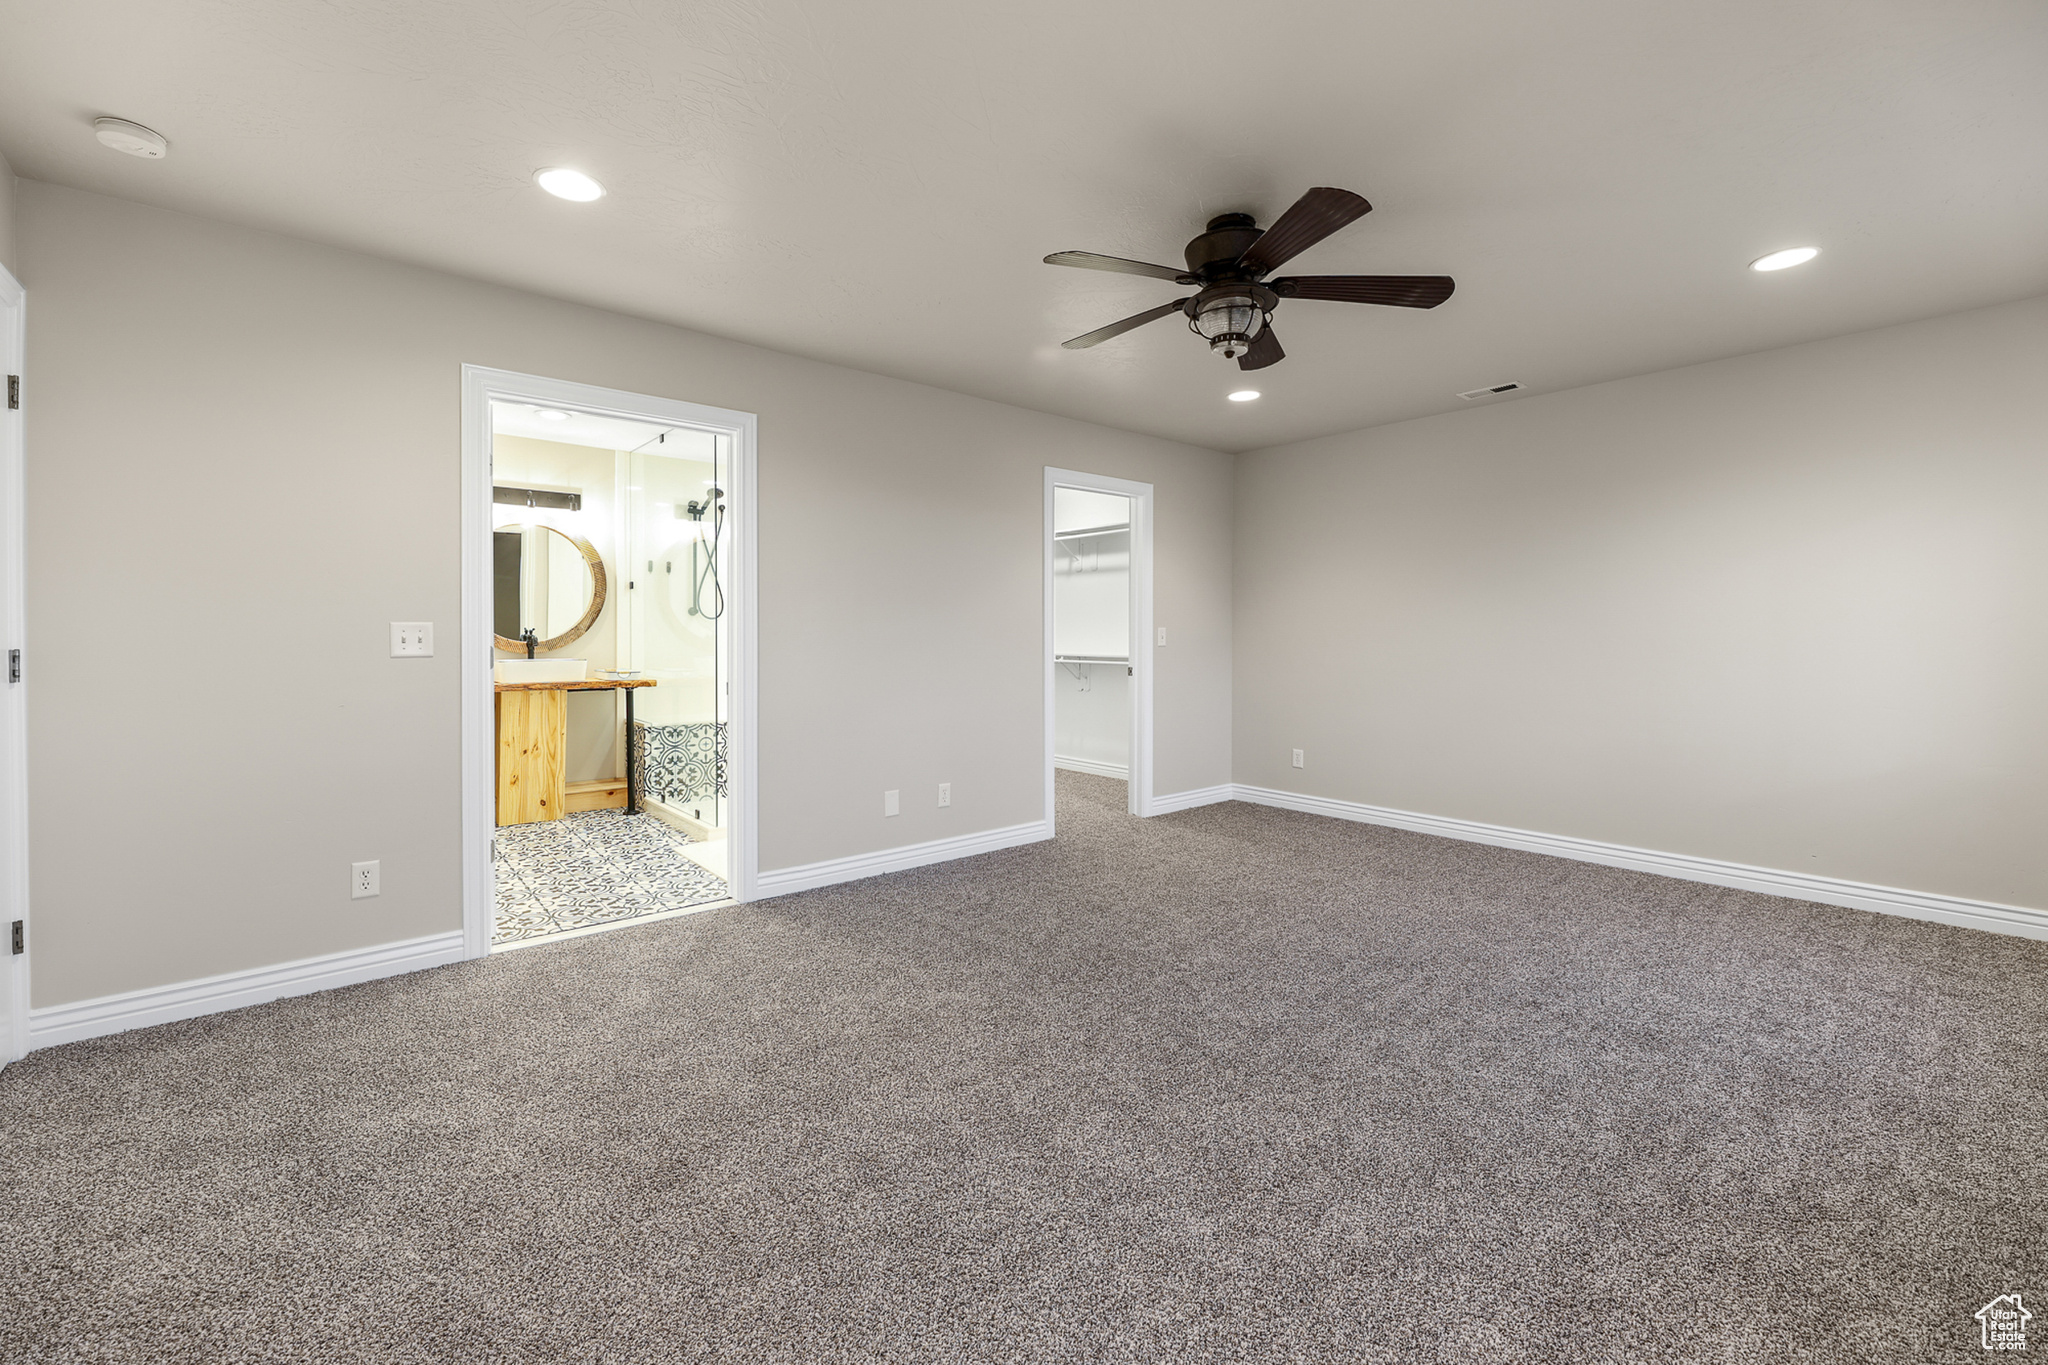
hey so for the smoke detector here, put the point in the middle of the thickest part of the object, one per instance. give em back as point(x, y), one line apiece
point(131, 138)
point(1471, 395)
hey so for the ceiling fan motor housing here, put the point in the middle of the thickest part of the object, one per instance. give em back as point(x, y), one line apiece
point(1229, 237)
point(1228, 316)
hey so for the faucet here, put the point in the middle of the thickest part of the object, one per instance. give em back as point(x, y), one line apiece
point(532, 641)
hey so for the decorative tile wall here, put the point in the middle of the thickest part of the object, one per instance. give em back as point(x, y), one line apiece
point(680, 763)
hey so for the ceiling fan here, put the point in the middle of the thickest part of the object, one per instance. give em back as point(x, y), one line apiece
point(1233, 311)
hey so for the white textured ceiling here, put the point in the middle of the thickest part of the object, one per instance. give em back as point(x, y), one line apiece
point(874, 183)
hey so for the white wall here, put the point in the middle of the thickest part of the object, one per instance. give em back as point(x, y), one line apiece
point(245, 462)
point(1092, 717)
point(7, 256)
point(672, 646)
point(1789, 609)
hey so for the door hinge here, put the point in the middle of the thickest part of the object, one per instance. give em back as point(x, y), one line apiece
point(14, 665)
point(13, 390)
point(20, 940)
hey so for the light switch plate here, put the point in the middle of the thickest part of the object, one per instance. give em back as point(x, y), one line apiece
point(412, 639)
point(1162, 637)
point(890, 804)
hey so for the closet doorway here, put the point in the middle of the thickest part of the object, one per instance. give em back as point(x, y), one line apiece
point(608, 648)
point(1099, 634)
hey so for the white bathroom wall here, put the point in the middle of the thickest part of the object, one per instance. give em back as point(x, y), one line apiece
point(1091, 593)
point(670, 645)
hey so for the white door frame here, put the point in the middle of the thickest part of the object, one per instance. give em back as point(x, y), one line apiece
point(13, 696)
point(1139, 787)
point(480, 387)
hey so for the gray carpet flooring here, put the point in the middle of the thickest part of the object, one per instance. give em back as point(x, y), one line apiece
point(1231, 1085)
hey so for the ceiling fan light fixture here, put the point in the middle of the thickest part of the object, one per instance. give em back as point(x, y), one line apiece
point(1786, 259)
point(1228, 322)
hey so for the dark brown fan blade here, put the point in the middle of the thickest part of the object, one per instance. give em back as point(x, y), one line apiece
point(1117, 329)
point(1402, 291)
point(1264, 350)
point(1314, 216)
point(1088, 260)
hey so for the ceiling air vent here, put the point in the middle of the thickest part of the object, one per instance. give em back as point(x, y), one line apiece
point(1494, 392)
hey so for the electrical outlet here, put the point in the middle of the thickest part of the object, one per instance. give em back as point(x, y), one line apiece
point(364, 879)
point(412, 639)
point(945, 794)
point(1162, 637)
point(1297, 758)
point(890, 804)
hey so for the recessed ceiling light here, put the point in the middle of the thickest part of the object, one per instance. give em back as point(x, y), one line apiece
point(553, 415)
point(1244, 395)
point(131, 138)
point(564, 183)
point(1785, 260)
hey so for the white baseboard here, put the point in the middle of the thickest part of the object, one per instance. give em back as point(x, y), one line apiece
point(234, 990)
point(1120, 771)
point(1888, 900)
point(784, 880)
point(1201, 796)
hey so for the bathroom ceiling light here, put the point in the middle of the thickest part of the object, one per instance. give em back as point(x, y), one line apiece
point(552, 415)
point(1786, 259)
point(1244, 395)
point(131, 138)
point(564, 183)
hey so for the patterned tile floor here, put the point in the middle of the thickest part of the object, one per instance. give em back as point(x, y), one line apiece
point(595, 867)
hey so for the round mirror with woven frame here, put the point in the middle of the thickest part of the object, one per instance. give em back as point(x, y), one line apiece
point(575, 632)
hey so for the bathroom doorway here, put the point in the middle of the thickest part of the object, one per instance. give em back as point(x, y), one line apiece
point(1099, 639)
point(608, 608)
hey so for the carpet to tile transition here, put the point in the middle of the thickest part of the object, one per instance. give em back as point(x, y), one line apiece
point(1231, 1085)
point(593, 867)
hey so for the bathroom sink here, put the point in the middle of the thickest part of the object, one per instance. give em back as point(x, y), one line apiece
point(539, 670)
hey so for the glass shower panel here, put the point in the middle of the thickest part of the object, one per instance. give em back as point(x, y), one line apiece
point(677, 523)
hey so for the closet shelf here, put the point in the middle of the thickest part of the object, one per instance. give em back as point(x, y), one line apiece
point(1091, 658)
point(1087, 531)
